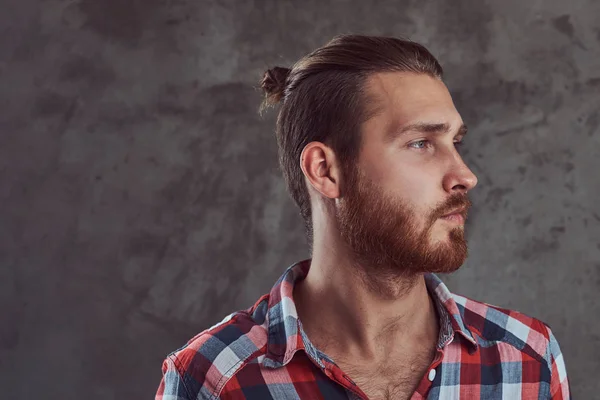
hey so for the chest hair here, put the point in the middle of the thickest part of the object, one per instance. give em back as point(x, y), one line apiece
point(396, 379)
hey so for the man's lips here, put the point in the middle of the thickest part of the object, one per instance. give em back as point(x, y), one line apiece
point(460, 211)
point(457, 216)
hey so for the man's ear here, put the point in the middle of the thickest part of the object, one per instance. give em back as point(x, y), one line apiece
point(320, 167)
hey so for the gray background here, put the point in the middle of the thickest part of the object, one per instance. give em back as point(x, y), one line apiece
point(141, 200)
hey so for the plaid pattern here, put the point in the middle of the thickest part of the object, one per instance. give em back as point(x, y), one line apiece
point(484, 352)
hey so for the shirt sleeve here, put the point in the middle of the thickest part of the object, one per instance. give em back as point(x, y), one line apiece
point(559, 383)
point(171, 385)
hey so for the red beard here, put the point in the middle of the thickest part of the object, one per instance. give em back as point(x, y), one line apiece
point(384, 236)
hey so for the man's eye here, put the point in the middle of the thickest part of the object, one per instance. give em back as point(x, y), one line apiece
point(421, 144)
point(458, 144)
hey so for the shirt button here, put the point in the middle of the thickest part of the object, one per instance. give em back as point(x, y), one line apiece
point(431, 375)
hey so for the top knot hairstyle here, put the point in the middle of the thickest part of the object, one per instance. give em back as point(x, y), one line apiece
point(323, 98)
point(273, 85)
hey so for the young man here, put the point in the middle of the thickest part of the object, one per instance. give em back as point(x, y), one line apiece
point(368, 138)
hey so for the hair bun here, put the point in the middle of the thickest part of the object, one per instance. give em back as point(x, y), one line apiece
point(273, 84)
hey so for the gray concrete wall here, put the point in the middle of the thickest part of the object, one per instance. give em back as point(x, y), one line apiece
point(140, 196)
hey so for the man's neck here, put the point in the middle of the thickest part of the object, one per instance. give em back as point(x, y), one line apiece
point(347, 311)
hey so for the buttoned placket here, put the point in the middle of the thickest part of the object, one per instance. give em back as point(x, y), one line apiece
point(431, 373)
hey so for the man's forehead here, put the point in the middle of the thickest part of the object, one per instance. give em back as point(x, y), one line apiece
point(405, 97)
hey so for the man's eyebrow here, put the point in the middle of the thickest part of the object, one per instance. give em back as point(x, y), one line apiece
point(425, 127)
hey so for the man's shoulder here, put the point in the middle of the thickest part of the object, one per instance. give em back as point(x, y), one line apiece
point(491, 323)
point(208, 359)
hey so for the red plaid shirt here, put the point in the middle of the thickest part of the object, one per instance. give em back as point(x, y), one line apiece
point(484, 352)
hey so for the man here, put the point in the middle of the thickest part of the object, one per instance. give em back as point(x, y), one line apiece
point(368, 136)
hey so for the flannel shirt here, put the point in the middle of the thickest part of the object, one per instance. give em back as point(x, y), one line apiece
point(483, 352)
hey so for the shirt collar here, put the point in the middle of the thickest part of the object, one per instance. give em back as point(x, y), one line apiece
point(286, 336)
point(450, 315)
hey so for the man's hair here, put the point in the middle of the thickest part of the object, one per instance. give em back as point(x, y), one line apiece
point(323, 98)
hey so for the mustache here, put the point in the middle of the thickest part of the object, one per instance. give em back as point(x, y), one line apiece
point(452, 203)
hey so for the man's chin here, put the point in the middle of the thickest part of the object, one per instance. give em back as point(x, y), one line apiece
point(447, 256)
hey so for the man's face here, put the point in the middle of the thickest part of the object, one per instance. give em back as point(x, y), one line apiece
point(408, 176)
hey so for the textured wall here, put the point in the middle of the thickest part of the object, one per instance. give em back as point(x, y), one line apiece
point(140, 200)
